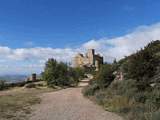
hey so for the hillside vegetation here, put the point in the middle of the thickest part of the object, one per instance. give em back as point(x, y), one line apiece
point(137, 96)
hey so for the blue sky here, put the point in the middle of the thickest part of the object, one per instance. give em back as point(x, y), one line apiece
point(31, 30)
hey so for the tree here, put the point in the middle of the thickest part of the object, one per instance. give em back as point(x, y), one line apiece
point(56, 73)
point(2, 84)
point(142, 65)
point(60, 74)
point(76, 74)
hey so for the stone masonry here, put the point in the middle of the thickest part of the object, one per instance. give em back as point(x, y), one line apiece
point(90, 60)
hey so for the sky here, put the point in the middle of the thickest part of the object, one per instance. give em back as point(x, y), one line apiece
point(31, 31)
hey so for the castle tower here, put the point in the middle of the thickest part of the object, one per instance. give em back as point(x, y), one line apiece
point(78, 60)
point(90, 55)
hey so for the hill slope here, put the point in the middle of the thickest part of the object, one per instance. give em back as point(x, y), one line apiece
point(131, 86)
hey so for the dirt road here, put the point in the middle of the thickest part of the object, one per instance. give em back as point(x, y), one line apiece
point(69, 104)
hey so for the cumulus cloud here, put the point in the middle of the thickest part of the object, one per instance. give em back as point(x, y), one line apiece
point(92, 44)
point(28, 60)
point(40, 53)
point(125, 45)
point(117, 47)
point(4, 51)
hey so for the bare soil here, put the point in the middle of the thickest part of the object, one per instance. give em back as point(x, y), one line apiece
point(69, 104)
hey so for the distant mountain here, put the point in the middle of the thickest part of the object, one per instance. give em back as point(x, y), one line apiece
point(13, 78)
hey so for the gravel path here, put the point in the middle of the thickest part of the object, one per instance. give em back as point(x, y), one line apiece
point(69, 104)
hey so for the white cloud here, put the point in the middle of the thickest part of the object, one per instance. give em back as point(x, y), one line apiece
point(125, 45)
point(117, 47)
point(92, 44)
point(40, 53)
point(4, 51)
point(28, 60)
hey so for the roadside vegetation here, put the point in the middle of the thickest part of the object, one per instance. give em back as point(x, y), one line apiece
point(137, 96)
point(2, 85)
point(60, 74)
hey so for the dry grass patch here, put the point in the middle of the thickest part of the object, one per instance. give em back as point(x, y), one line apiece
point(16, 104)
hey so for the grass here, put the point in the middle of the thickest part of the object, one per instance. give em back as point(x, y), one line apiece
point(125, 99)
point(16, 103)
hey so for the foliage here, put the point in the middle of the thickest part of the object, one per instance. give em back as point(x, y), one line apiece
point(91, 89)
point(133, 97)
point(125, 98)
point(104, 76)
point(60, 74)
point(141, 65)
point(76, 73)
point(155, 115)
point(2, 84)
point(30, 85)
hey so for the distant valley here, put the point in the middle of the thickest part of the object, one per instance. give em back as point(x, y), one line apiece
point(13, 78)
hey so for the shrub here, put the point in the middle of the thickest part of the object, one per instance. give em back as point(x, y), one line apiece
point(155, 97)
point(140, 97)
point(126, 88)
point(141, 65)
point(155, 115)
point(119, 104)
point(104, 76)
point(133, 97)
point(76, 74)
point(2, 84)
point(90, 90)
point(60, 74)
point(100, 97)
point(136, 112)
point(30, 85)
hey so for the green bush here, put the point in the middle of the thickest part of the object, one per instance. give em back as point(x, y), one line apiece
point(142, 65)
point(104, 76)
point(100, 97)
point(30, 85)
point(90, 90)
point(136, 112)
point(2, 84)
point(124, 97)
point(155, 115)
point(126, 88)
point(56, 73)
point(119, 104)
point(140, 97)
point(60, 74)
point(76, 74)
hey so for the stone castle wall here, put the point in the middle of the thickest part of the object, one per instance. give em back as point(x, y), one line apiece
point(89, 60)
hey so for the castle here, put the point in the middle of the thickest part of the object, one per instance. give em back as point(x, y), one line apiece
point(90, 60)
